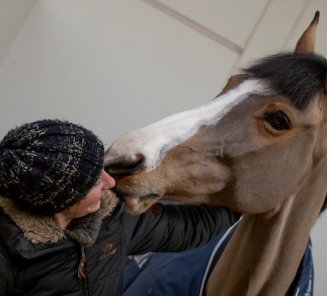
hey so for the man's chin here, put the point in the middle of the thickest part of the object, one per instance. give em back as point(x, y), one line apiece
point(94, 208)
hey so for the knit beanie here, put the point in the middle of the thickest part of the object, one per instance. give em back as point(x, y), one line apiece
point(49, 165)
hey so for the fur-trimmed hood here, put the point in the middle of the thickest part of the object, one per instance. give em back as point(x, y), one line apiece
point(38, 229)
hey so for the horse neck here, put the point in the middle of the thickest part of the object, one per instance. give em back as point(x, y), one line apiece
point(266, 249)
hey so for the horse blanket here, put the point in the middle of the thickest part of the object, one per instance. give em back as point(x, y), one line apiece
point(185, 273)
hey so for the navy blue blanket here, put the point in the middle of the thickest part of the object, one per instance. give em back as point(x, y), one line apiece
point(185, 273)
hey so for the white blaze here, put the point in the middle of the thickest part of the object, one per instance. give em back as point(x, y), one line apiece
point(153, 141)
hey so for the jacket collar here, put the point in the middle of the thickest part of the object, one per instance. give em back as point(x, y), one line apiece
point(38, 229)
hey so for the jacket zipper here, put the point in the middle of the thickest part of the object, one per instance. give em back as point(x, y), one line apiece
point(81, 272)
point(81, 266)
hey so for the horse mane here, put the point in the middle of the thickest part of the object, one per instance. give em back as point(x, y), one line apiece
point(298, 76)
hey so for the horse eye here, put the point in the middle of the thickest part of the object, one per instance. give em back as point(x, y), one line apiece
point(277, 120)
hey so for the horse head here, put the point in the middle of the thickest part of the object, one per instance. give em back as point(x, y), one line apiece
point(262, 133)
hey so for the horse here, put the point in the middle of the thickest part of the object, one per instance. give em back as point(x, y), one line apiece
point(259, 148)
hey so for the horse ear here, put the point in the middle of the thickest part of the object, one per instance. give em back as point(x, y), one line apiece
point(308, 39)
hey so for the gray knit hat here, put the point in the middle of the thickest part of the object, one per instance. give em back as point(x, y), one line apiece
point(49, 165)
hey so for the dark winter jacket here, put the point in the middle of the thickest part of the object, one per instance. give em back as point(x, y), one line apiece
point(38, 258)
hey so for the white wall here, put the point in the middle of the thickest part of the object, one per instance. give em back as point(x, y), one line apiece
point(117, 65)
point(13, 14)
point(113, 66)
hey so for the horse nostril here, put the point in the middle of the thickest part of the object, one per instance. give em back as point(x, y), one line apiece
point(124, 167)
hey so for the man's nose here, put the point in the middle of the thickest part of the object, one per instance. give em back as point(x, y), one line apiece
point(109, 181)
